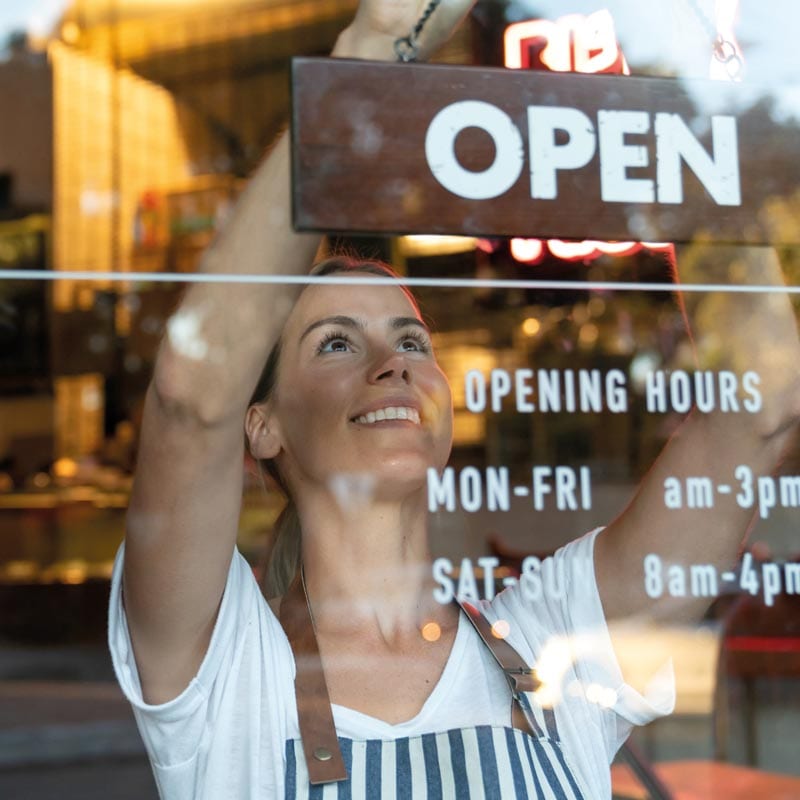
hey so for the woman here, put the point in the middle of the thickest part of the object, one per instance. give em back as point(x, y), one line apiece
point(207, 664)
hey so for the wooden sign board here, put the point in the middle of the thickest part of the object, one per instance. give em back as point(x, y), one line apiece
point(407, 148)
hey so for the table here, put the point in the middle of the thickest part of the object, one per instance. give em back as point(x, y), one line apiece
point(709, 780)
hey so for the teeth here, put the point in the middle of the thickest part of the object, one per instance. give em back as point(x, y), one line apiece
point(391, 412)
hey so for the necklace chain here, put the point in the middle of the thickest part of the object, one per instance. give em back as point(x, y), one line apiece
point(308, 599)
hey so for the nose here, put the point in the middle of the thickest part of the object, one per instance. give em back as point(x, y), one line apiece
point(389, 366)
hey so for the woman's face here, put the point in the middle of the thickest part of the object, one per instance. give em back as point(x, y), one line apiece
point(359, 391)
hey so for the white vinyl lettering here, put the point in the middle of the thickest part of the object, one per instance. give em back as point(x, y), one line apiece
point(440, 150)
point(547, 157)
point(719, 173)
point(616, 156)
point(669, 137)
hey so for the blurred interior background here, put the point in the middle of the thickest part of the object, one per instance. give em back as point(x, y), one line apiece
point(129, 128)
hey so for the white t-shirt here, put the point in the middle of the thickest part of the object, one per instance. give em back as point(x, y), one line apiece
point(224, 735)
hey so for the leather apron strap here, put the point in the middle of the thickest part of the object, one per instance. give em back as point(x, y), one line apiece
point(519, 675)
point(318, 733)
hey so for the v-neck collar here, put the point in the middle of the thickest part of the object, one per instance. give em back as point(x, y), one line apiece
point(380, 728)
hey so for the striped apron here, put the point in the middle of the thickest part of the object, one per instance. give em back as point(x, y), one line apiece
point(477, 763)
point(484, 762)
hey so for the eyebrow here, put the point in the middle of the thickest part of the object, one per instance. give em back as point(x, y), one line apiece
point(350, 322)
point(404, 322)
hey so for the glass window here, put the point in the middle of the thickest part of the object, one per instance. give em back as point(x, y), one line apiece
point(498, 499)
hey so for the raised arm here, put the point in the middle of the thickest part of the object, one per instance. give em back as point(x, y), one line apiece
point(184, 509)
point(736, 332)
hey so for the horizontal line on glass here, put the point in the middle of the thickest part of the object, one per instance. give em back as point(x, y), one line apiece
point(443, 283)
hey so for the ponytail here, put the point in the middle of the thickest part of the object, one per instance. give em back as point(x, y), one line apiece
point(283, 553)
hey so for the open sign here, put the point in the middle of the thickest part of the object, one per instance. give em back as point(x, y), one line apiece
point(609, 139)
point(398, 148)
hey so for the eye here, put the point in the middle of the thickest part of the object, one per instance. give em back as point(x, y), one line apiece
point(415, 341)
point(334, 342)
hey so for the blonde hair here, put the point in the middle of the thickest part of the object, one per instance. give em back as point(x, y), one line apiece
point(283, 554)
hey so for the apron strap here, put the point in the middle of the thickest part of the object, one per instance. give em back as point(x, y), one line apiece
point(315, 718)
point(520, 677)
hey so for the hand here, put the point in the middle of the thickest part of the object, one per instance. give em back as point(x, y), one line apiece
point(379, 23)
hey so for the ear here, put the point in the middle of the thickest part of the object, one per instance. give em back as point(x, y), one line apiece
point(262, 432)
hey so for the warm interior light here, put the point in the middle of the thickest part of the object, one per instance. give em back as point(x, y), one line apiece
point(427, 245)
point(531, 326)
point(431, 631)
point(500, 629)
point(588, 334)
point(65, 468)
point(70, 32)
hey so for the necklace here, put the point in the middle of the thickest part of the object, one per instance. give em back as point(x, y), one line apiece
point(308, 600)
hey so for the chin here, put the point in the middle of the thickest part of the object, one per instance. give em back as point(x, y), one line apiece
point(398, 478)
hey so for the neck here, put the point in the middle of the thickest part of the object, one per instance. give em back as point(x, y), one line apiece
point(369, 567)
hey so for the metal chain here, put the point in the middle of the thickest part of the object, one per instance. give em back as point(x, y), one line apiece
point(723, 49)
point(407, 48)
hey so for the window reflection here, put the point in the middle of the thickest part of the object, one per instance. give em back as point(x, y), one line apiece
point(133, 135)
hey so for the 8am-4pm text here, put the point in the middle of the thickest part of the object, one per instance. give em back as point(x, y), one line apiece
point(768, 579)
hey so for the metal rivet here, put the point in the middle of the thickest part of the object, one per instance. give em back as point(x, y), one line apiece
point(323, 754)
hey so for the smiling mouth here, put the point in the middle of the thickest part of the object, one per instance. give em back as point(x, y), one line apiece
point(389, 413)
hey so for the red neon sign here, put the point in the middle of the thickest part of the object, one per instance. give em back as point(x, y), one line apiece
point(532, 251)
point(575, 43)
